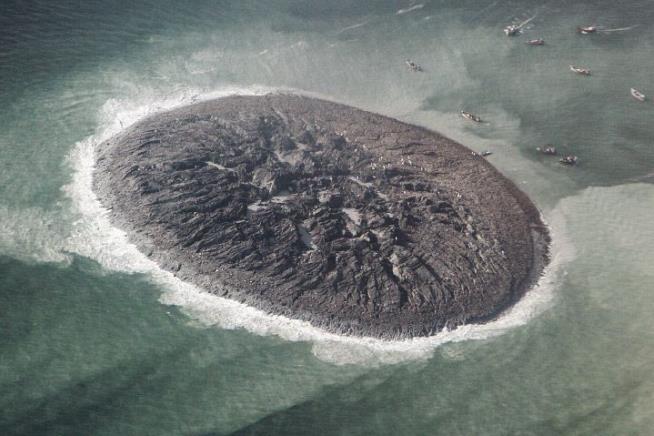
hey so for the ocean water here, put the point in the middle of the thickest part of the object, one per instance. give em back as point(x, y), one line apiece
point(97, 340)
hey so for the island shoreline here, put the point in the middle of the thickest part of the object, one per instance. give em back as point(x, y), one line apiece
point(186, 269)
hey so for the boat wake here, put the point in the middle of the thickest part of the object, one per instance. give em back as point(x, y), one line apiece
point(94, 236)
point(620, 29)
point(410, 9)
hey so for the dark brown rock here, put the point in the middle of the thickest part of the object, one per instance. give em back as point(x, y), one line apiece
point(353, 221)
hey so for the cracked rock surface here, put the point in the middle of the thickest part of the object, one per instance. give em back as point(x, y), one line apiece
point(356, 222)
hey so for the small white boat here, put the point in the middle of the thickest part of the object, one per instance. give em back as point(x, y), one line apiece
point(511, 30)
point(413, 66)
point(637, 94)
point(570, 160)
point(580, 70)
point(471, 117)
point(585, 30)
point(535, 42)
point(515, 29)
point(547, 149)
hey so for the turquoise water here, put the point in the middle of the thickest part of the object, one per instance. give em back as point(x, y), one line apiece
point(97, 340)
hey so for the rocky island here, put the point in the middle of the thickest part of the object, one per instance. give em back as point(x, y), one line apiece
point(355, 222)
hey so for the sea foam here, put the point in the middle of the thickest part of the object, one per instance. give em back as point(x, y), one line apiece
point(94, 236)
point(33, 235)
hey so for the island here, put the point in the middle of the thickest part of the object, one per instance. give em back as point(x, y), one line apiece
point(355, 222)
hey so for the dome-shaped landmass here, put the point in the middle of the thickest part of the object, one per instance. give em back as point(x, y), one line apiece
point(356, 222)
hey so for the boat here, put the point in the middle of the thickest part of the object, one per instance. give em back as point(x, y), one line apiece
point(580, 70)
point(586, 30)
point(413, 66)
point(486, 153)
point(535, 42)
point(511, 30)
point(471, 117)
point(637, 94)
point(515, 29)
point(547, 149)
point(569, 160)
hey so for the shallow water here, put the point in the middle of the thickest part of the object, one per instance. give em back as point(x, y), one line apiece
point(97, 340)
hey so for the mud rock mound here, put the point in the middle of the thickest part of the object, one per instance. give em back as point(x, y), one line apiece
point(353, 221)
